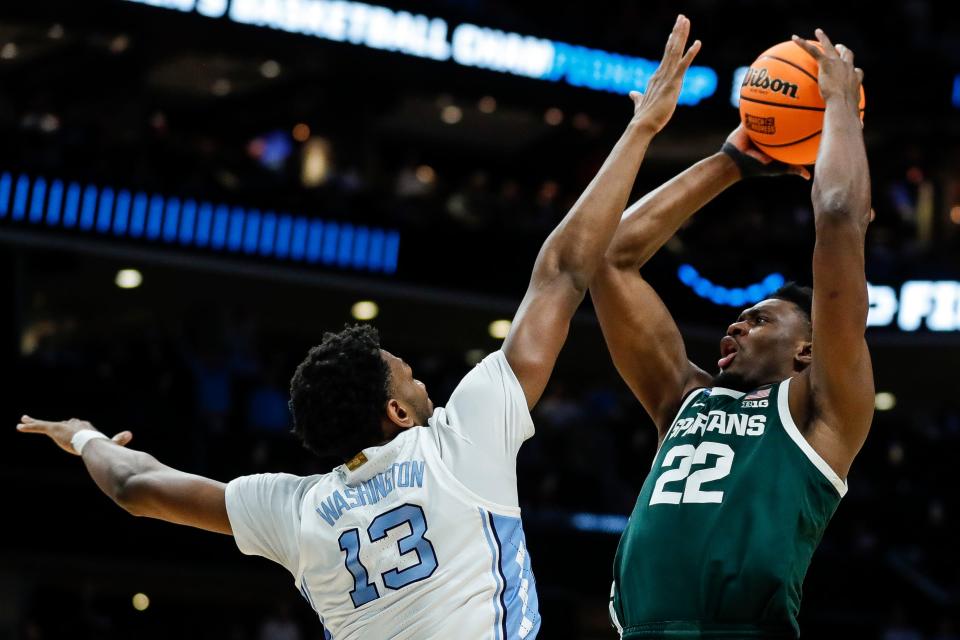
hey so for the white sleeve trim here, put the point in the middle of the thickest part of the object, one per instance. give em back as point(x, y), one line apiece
point(613, 612)
point(783, 405)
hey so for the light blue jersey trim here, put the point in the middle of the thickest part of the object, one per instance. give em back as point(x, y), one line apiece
point(520, 601)
point(495, 555)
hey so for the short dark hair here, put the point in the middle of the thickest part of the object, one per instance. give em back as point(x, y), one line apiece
point(338, 393)
point(800, 296)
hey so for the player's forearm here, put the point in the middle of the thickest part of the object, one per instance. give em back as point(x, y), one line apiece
point(576, 247)
point(651, 221)
point(841, 189)
point(115, 468)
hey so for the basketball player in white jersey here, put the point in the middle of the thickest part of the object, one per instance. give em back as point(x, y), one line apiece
point(417, 534)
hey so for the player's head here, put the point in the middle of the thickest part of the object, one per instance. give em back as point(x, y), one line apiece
point(769, 342)
point(349, 394)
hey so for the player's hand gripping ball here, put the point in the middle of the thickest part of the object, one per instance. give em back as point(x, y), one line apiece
point(780, 103)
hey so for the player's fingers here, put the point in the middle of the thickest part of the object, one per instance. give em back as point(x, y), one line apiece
point(799, 170)
point(637, 98)
point(123, 438)
point(809, 48)
point(828, 47)
point(33, 422)
point(846, 54)
point(677, 39)
point(690, 55)
point(859, 73)
point(33, 427)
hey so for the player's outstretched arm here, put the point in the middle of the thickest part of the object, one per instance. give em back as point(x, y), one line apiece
point(839, 391)
point(573, 251)
point(642, 337)
point(136, 481)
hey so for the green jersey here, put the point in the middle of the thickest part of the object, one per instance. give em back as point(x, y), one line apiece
point(726, 523)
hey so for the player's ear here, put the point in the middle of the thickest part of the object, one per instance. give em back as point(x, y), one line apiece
point(804, 355)
point(399, 415)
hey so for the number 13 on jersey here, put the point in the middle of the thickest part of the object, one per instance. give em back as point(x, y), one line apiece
point(415, 543)
point(687, 455)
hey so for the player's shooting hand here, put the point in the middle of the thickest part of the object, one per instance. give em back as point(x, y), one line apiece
point(655, 107)
point(838, 78)
point(62, 432)
point(753, 162)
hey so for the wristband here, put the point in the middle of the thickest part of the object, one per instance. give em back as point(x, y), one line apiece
point(81, 438)
point(750, 167)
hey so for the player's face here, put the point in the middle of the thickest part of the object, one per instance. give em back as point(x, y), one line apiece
point(407, 389)
point(763, 344)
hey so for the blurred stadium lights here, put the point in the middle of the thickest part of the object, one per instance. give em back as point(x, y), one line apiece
point(365, 310)
point(425, 174)
point(56, 205)
point(316, 162)
point(128, 279)
point(487, 104)
point(731, 297)
point(468, 45)
point(141, 601)
point(738, 76)
point(270, 69)
point(451, 114)
point(271, 150)
point(499, 329)
point(956, 91)
point(935, 304)
point(598, 522)
point(884, 401)
point(301, 132)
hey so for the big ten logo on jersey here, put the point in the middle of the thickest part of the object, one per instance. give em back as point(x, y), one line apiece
point(757, 400)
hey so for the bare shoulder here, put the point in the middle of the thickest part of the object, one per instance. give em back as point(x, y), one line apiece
point(823, 426)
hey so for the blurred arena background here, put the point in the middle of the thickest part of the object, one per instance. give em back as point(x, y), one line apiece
point(192, 191)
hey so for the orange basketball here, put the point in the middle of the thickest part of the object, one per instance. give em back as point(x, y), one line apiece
point(780, 104)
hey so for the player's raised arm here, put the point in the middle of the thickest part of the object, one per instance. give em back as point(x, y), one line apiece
point(841, 375)
point(642, 337)
point(136, 481)
point(573, 251)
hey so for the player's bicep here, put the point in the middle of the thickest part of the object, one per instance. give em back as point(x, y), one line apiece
point(538, 332)
point(178, 497)
point(841, 374)
point(644, 342)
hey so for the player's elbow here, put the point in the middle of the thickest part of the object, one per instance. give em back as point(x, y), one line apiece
point(568, 272)
point(839, 206)
point(131, 492)
point(620, 257)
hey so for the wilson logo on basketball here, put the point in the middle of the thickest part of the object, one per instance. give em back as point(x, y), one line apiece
point(767, 125)
point(758, 78)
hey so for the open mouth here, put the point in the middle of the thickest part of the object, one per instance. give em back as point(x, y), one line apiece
point(728, 351)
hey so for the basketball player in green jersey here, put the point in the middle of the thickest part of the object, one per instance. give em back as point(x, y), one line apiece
point(752, 462)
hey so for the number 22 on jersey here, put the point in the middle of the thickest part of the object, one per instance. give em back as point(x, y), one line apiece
point(364, 590)
point(687, 456)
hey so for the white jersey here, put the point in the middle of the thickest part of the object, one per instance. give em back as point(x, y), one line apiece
point(424, 539)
